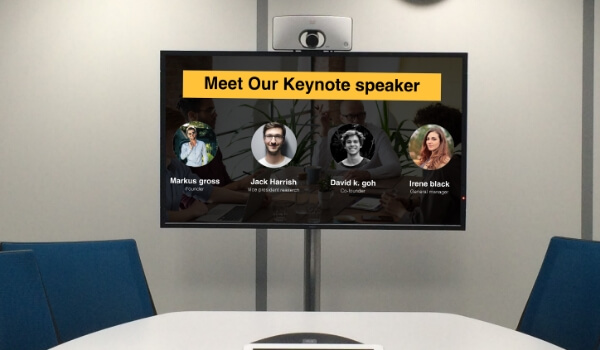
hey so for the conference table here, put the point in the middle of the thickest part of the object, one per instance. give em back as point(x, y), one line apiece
point(231, 330)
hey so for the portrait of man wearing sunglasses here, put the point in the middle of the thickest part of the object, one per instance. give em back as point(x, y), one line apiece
point(384, 164)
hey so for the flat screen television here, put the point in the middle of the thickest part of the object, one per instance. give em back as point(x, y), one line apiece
point(344, 140)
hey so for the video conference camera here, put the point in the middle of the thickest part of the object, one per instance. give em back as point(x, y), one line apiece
point(325, 33)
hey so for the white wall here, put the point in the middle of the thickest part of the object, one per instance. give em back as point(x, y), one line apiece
point(79, 92)
point(79, 106)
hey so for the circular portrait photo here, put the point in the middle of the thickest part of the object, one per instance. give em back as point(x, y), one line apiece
point(352, 146)
point(431, 147)
point(195, 144)
point(274, 145)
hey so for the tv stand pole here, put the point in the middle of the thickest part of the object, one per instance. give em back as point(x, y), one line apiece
point(261, 269)
point(312, 269)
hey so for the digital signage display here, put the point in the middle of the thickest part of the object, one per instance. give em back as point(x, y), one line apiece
point(357, 140)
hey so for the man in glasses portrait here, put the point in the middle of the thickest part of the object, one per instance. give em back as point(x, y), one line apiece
point(274, 140)
point(384, 163)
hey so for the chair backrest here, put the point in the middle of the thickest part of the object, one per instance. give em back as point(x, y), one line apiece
point(25, 318)
point(564, 305)
point(91, 285)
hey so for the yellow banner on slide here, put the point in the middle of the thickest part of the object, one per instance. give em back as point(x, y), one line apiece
point(312, 85)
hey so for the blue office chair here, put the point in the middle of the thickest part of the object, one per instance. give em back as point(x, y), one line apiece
point(564, 305)
point(25, 318)
point(91, 285)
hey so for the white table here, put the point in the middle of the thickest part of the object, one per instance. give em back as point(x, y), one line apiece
point(232, 330)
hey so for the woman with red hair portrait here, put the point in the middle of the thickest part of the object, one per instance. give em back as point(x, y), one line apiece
point(435, 152)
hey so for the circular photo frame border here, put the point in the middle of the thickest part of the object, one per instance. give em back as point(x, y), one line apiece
point(416, 141)
point(338, 152)
point(289, 148)
point(204, 133)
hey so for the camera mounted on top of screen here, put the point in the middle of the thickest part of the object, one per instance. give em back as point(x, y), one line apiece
point(323, 33)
